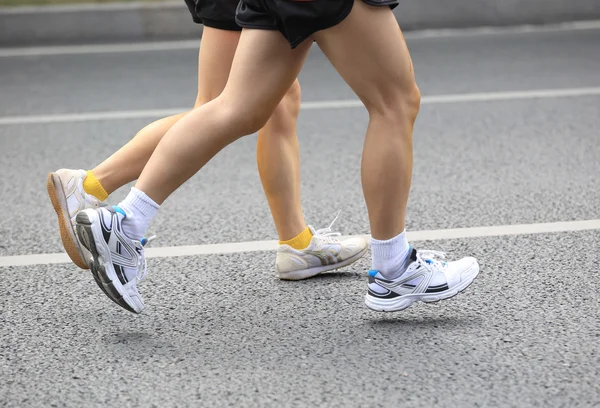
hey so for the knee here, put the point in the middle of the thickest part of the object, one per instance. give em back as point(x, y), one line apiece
point(204, 96)
point(290, 103)
point(397, 103)
point(414, 102)
point(201, 100)
point(244, 119)
point(248, 118)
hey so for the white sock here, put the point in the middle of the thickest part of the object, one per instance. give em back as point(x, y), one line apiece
point(140, 210)
point(388, 256)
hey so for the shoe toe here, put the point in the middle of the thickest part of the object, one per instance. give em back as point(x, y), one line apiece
point(137, 303)
point(135, 299)
point(461, 270)
point(469, 267)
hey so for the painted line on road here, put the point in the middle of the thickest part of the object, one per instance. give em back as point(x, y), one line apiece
point(516, 29)
point(315, 105)
point(89, 116)
point(98, 7)
point(99, 48)
point(193, 44)
point(256, 246)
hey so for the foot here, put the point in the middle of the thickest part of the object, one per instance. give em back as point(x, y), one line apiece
point(426, 279)
point(65, 188)
point(325, 252)
point(117, 262)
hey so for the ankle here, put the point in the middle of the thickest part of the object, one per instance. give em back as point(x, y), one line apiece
point(300, 241)
point(92, 186)
point(140, 210)
point(389, 256)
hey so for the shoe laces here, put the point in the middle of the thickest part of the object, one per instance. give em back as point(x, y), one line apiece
point(327, 234)
point(429, 257)
point(141, 267)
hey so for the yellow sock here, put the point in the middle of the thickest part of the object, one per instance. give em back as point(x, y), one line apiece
point(91, 185)
point(300, 241)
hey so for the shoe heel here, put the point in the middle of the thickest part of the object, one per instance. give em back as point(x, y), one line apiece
point(83, 218)
point(85, 233)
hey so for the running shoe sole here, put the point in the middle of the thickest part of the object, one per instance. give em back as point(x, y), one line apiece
point(101, 264)
point(402, 302)
point(67, 233)
point(310, 272)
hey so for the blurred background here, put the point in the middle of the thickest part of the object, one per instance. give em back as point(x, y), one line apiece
point(25, 22)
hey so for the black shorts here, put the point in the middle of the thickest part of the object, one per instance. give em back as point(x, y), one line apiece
point(297, 19)
point(214, 13)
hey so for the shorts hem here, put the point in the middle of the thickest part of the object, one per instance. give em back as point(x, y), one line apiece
point(341, 17)
point(391, 4)
point(258, 26)
point(294, 42)
point(222, 25)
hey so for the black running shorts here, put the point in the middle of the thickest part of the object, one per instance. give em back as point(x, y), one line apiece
point(297, 19)
point(214, 13)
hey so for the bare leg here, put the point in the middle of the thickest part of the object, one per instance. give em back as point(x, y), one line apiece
point(214, 61)
point(369, 51)
point(385, 83)
point(277, 149)
point(126, 164)
point(263, 57)
point(277, 154)
point(278, 158)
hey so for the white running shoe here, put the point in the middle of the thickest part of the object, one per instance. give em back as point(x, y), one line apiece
point(118, 262)
point(324, 253)
point(65, 188)
point(425, 279)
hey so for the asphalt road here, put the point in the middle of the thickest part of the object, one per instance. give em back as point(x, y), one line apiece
point(220, 330)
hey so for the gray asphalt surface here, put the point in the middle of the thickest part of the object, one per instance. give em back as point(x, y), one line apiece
point(222, 331)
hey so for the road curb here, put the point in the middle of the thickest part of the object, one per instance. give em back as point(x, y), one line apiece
point(103, 23)
point(168, 20)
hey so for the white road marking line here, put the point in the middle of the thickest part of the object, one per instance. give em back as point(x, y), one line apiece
point(99, 48)
point(314, 105)
point(467, 97)
point(511, 95)
point(517, 29)
point(193, 44)
point(89, 116)
point(99, 7)
point(255, 246)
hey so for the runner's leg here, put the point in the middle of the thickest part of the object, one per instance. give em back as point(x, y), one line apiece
point(385, 83)
point(263, 57)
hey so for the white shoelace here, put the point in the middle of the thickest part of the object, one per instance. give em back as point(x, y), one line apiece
point(327, 233)
point(141, 268)
point(428, 256)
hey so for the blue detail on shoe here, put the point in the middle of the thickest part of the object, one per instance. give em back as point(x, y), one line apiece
point(373, 272)
point(119, 210)
point(144, 241)
point(408, 253)
point(429, 261)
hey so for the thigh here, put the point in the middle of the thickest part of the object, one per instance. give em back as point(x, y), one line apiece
point(263, 70)
point(296, 20)
point(214, 62)
point(368, 50)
